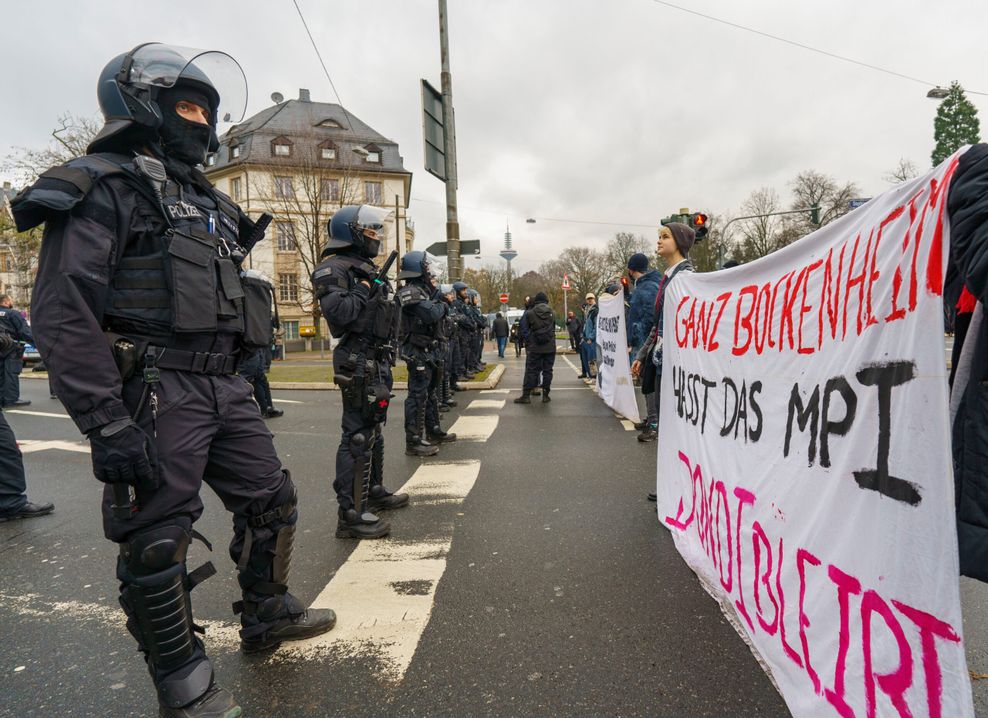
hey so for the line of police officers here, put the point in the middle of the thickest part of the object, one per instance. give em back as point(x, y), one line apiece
point(143, 311)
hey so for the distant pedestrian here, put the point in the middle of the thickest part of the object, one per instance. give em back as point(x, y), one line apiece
point(501, 331)
point(515, 338)
point(14, 503)
point(538, 329)
point(253, 370)
point(588, 352)
point(13, 323)
point(574, 327)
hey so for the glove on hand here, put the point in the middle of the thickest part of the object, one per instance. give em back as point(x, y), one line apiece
point(123, 453)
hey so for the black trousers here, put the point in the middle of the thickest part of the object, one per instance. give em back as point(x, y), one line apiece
point(423, 382)
point(253, 371)
point(12, 481)
point(11, 386)
point(536, 365)
point(353, 457)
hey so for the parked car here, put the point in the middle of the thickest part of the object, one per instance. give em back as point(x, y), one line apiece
point(31, 354)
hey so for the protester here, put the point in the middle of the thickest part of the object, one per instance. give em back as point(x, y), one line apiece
point(588, 354)
point(574, 327)
point(538, 328)
point(501, 331)
point(515, 338)
point(640, 320)
point(675, 241)
point(967, 208)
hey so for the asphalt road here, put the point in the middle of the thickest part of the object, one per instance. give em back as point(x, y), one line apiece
point(529, 578)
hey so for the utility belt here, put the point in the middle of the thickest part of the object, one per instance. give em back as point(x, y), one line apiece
point(368, 345)
point(131, 355)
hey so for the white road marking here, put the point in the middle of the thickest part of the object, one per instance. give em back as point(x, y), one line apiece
point(474, 428)
point(628, 426)
point(495, 391)
point(287, 401)
point(29, 447)
point(486, 404)
point(384, 593)
point(571, 364)
point(37, 413)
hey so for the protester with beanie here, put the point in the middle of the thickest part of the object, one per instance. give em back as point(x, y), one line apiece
point(640, 317)
point(539, 331)
point(675, 242)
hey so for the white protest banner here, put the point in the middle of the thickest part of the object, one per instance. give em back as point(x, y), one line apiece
point(614, 371)
point(804, 464)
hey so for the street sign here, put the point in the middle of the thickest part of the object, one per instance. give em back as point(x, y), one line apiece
point(433, 131)
point(467, 246)
point(855, 203)
point(566, 281)
point(504, 298)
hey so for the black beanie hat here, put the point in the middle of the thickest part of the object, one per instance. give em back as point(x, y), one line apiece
point(638, 262)
point(684, 236)
point(540, 297)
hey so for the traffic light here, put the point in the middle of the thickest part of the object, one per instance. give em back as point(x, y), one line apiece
point(698, 221)
point(815, 215)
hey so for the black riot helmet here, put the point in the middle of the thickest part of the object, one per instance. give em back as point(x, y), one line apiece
point(415, 265)
point(132, 84)
point(360, 227)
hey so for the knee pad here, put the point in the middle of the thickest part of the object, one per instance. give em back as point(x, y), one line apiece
point(155, 549)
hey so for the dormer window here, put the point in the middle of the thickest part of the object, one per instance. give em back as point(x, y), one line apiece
point(330, 124)
point(281, 147)
point(211, 160)
point(372, 154)
point(235, 152)
point(327, 151)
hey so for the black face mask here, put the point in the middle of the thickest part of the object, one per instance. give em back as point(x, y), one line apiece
point(372, 247)
point(182, 139)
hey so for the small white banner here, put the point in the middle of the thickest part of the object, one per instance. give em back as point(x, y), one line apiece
point(804, 463)
point(614, 371)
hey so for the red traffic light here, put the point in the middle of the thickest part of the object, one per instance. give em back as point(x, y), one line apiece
point(698, 221)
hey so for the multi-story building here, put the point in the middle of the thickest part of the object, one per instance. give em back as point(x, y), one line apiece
point(299, 161)
point(18, 253)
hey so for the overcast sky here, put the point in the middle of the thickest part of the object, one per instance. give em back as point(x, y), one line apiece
point(616, 111)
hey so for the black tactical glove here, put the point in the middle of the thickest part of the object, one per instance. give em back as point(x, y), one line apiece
point(124, 454)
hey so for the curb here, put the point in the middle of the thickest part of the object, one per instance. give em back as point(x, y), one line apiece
point(489, 383)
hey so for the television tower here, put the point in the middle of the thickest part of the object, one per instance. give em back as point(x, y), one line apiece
point(508, 253)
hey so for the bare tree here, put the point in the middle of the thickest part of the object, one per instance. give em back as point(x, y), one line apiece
point(812, 188)
point(587, 269)
point(621, 246)
point(902, 172)
point(69, 140)
point(759, 236)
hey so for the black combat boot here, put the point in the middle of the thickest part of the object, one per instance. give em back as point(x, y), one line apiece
point(216, 702)
point(417, 446)
point(436, 435)
point(443, 408)
point(361, 526)
point(451, 402)
point(545, 397)
point(380, 499)
point(524, 398)
point(269, 614)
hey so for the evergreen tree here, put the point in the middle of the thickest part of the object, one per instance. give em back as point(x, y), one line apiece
point(956, 124)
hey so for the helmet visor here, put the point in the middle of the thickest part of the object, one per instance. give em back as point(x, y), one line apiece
point(376, 218)
point(161, 65)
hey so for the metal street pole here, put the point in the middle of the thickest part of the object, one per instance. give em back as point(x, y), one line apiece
point(723, 232)
point(449, 148)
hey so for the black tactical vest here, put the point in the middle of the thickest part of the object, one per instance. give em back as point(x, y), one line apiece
point(375, 325)
point(413, 330)
point(178, 273)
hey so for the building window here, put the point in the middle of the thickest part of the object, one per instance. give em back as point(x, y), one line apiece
point(373, 193)
point(374, 157)
point(211, 160)
point(331, 124)
point(330, 190)
point(285, 232)
point(281, 147)
point(235, 188)
point(287, 287)
point(283, 187)
point(235, 152)
point(328, 153)
point(291, 329)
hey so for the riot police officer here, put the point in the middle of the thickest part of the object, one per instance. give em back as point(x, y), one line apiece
point(447, 339)
point(11, 365)
point(141, 317)
point(421, 316)
point(480, 326)
point(465, 326)
point(353, 296)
